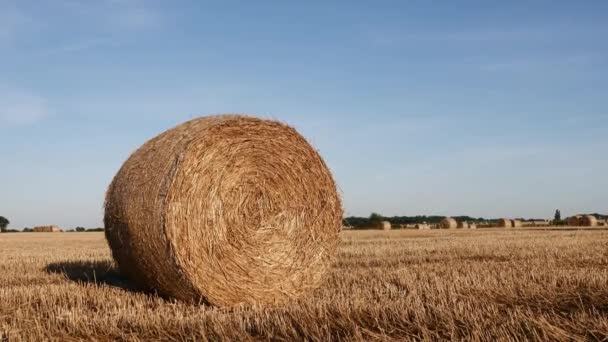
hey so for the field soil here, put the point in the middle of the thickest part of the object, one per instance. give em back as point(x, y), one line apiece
point(484, 285)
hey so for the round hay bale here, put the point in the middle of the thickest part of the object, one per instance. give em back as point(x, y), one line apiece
point(516, 224)
point(588, 221)
point(422, 226)
point(385, 225)
point(472, 226)
point(463, 225)
point(225, 210)
point(574, 221)
point(505, 223)
point(448, 223)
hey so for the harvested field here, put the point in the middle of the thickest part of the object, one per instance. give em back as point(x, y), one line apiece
point(484, 284)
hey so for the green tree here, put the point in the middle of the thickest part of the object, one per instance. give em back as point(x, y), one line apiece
point(80, 229)
point(4, 222)
point(558, 215)
point(375, 219)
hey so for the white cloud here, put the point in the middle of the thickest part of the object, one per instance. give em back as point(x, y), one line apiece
point(21, 108)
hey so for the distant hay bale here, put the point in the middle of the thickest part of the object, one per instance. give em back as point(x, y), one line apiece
point(225, 210)
point(588, 221)
point(46, 229)
point(422, 226)
point(505, 223)
point(516, 224)
point(385, 225)
point(536, 224)
point(448, 223)
point(472, 226)
point(574, 221)
point(463, 224)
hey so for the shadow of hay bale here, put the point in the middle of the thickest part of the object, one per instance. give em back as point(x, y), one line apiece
point(92, 272)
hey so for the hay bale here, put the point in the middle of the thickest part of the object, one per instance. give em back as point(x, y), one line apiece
point(536, 224)
point(516, 224)
point(46, 229)
point(463, 225)
point(385, 225)
point(574, 221)
point(422, 226)
point(472, 226)
point(448, 223)
point(225, 210)
point(588, 221)
point(505, 223)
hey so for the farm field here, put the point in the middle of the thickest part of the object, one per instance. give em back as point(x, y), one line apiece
point(484, 284)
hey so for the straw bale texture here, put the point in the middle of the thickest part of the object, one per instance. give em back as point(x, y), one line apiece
point(385, 225)
point(588, 221)
point(473, 226)
point(516, 223)
point(224, 210)
point(574, 221)
point(505, 223)
point(46, 229)
point(463, 224)
point(448, 223)
point(538, 223)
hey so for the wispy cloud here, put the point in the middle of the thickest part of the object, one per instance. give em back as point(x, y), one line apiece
point(107, 23)
point(388, 36)
point(19, 108)
point(116, 14)
point(81, 46)
point(538, 63)
point(135, 18)
point(11, 20)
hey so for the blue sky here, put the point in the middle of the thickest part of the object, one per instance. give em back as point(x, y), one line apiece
point(485, 108)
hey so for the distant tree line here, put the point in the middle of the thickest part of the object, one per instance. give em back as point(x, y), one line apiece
point(599, 216)
point(75, 230)
point(82, 229)
point(374, 219)
point(4, 222)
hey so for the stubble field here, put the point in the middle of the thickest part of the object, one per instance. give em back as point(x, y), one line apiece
point(484, 284)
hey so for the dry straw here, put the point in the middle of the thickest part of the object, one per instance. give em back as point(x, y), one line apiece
point(574, 221)
point(516, 223)
point(448, 223)
point(588, 221)
point(225, 210)
point(46, 229)
point(463, 224)
point(385, 225)
point(505, 223)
